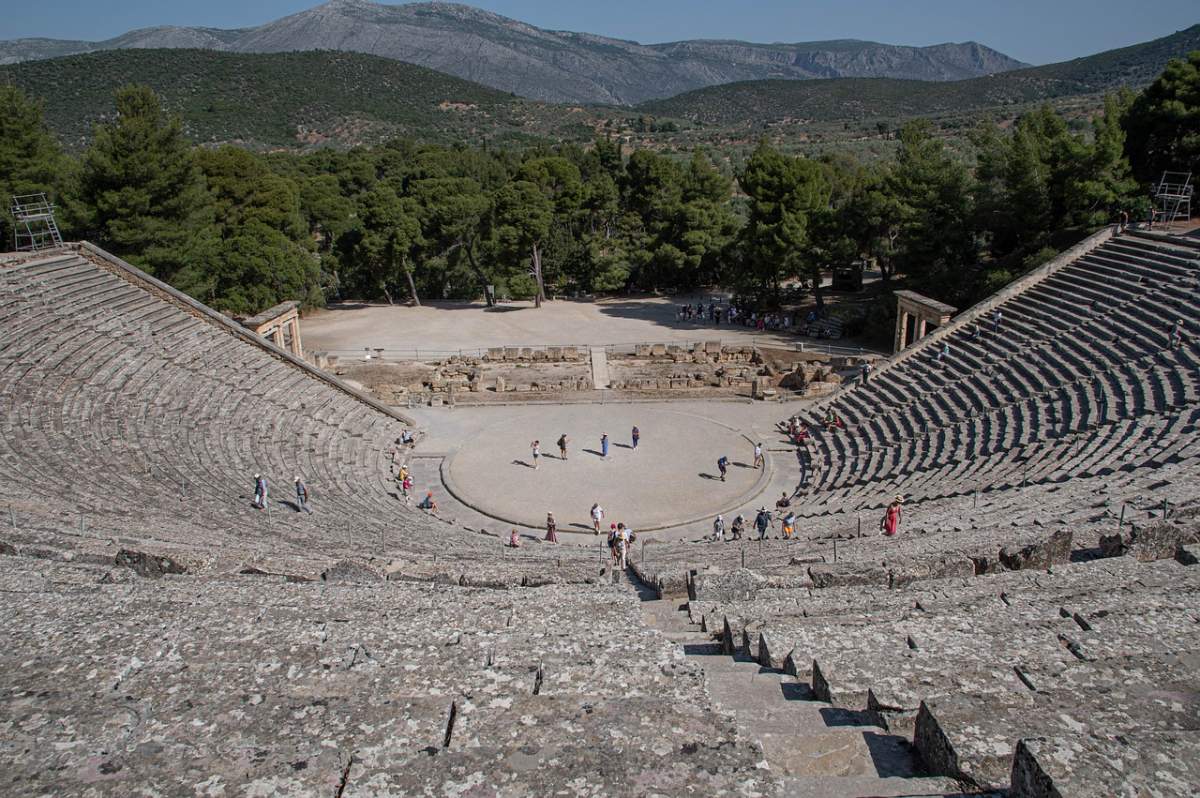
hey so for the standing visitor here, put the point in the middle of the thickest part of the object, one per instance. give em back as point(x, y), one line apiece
point(997, 317)
point(302, 496)
point(636, 435)
point(866, 372)
point(789, 524)
point(260, 491)
point(536, 447)
point(562, 446)
point(623, 545)
point(719, 529)
point(514, 539)
point(597, 513)
point(1176, 338)
point(759, 460)
point(890, 523)
point(551, 529)
point(762, 522)
point(604, 445)
point(723, 466)
point(739, 526)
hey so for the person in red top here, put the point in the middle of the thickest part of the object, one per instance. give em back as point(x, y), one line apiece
point(890, 523)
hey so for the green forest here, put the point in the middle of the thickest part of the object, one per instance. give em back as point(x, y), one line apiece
point(410, 221)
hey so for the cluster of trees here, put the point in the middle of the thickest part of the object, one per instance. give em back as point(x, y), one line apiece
point(405, 221)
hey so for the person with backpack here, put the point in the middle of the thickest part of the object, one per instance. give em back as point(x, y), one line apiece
point(562, 446)
point(719, 529)
point(260, 491)
point(302, 497)
point(739, 526)
point(762, 522)
point(723, 466)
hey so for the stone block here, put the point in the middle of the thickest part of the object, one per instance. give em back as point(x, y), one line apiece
point(725, 586)
point(1055, 549)
point(501, 385)
point(512, 353)
point(1155, 542)
point(148, 565)
point(713, 347)
point(1188, 555)
point(554, 353)
point(526, 353)
point(658, 350)
point(641, 350)
point(905, 572)
point(351, 571)
point(847, 574)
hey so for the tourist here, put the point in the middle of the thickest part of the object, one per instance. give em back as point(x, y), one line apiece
point(514, 539)
point(865, 368)
point(623, 545)
point(302, 496)
point(407, 438)
point(759, 460)
point(789, 524)
point(762, 522)
point(402, 474)
point(406, 488)
point(428, 502)
point(612, 543)
point(551, 529)
point(562, 446)
point(636, 436)
point(890, 523)
point(801, 434)
point(1176, 338)
point(784, 502)
point(944, 354)
point(723, 466)
point(536, 447)
point(260, 491)
point(597, 513)
point(604, 445)
point(832, 420)
point(738, 526)
point(997, 317)
point(719, 529)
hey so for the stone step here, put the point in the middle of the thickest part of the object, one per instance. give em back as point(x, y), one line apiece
point(600, 378)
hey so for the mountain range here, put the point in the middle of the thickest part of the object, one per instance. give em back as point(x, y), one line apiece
point(553, 66)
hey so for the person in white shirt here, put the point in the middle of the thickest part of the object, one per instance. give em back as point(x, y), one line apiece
point(597, 517)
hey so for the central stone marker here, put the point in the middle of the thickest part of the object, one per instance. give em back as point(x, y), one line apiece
point(670, 479)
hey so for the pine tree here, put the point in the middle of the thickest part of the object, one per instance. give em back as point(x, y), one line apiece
point(145, 195)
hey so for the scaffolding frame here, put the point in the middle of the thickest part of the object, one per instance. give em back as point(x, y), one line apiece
point(34, 227)
point(1172, 199)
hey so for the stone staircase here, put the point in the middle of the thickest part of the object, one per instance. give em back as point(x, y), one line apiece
point(814, 748)
point(600, 378)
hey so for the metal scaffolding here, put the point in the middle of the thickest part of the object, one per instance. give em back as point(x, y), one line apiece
point(1172, 199)
point(34, 227)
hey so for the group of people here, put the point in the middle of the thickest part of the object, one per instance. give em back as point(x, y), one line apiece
point(261, 492)
point(717, 314)
point(563, 442)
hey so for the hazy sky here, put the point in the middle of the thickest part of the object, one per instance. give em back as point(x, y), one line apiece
point(1038, 32)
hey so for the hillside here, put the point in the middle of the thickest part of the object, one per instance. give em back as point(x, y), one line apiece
point(282, 100)
point(757, 102)
point(556, 66)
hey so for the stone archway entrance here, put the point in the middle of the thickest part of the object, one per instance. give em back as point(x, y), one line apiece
point(281, 324)
point(917, 316)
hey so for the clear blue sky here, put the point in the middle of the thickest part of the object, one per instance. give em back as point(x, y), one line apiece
point(1038, 31)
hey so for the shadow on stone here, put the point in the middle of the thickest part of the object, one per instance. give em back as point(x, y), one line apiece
point(840, 716)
